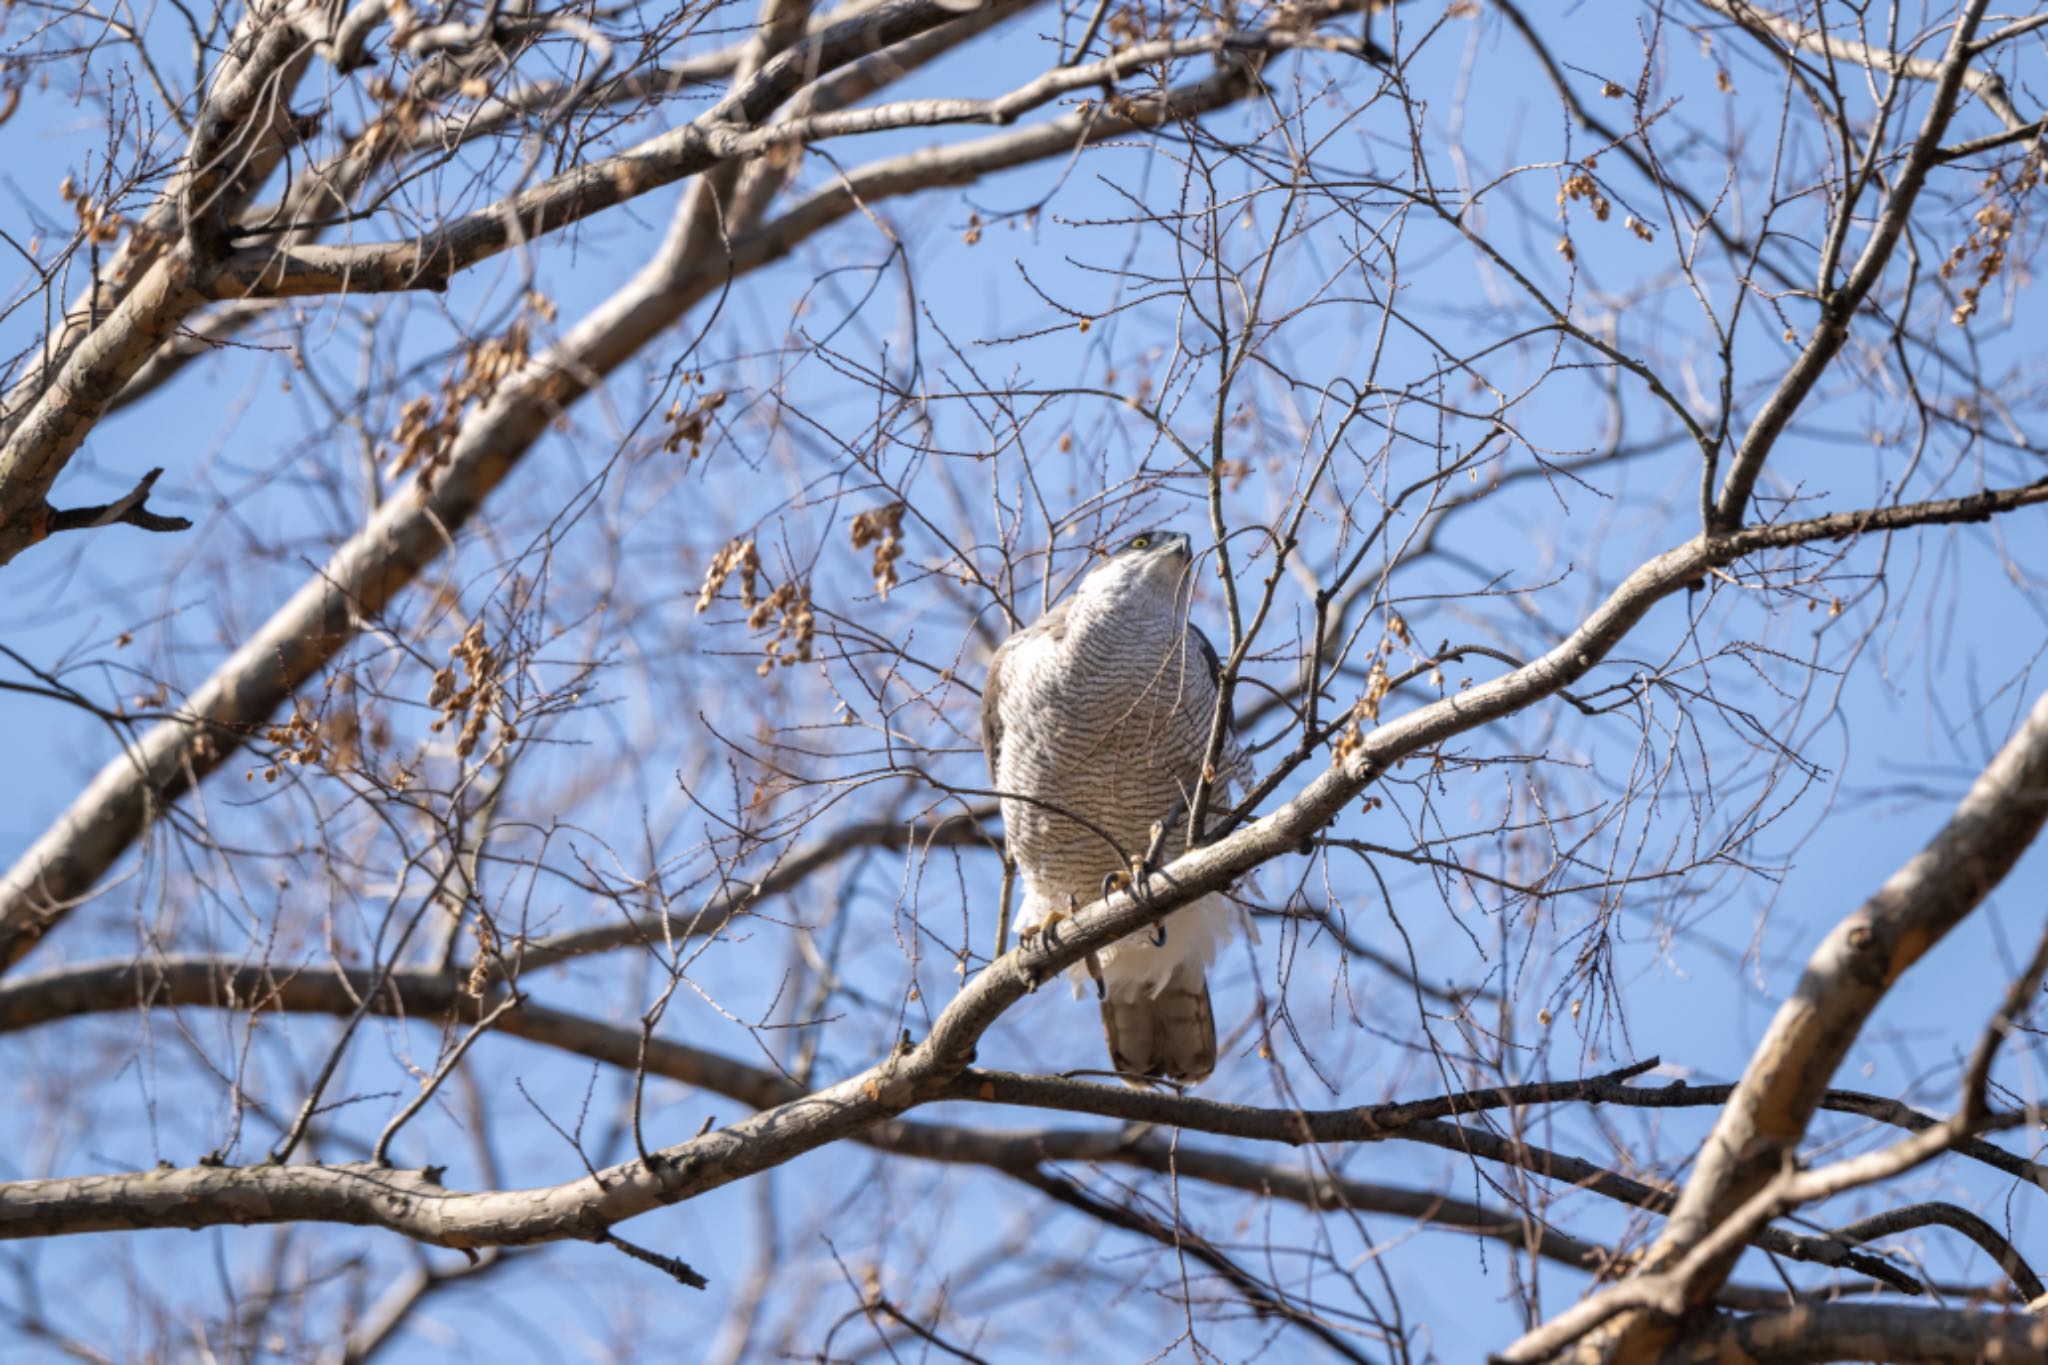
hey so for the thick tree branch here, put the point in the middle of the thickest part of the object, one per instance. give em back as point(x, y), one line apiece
point(1869, 1331)
point(693, 150)
point(409, 532)
point(437, 997)
point(433, 997)
point(1839, 306)
point(1743, 1169)
point(242, 129)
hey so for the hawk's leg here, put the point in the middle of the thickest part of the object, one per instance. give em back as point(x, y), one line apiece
point(1050, 927)
point(1003, 912)
point(1134, 879)
point(1160, 829)
point(1027, 938)
point(1092, 962)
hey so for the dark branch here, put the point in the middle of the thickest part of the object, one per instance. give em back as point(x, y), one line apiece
point(131, 509)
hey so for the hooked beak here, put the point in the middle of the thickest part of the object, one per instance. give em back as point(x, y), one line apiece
point(1173, 561)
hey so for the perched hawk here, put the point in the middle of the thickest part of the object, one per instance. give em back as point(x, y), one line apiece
point(1095, 720)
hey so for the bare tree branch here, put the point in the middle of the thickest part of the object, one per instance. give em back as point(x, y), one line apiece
point(1601, 442)
point(408, 533)
point(1745, 1164)
point(1840, 304)
point(1872, 1331)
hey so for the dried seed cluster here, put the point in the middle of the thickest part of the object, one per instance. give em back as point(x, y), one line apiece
point(1132, 25)
point(298, 743)
point(1377, 685)
point(687, 424)
point(330, 735)
point(1988, 241)
point(1348, 742)
point(428, 424)
point(1582, 186)
point(737, 557)
point(1378, 682)
point(796, 625)
point(398, 120)
point(98, 222)
point(883, 528)
point(487, 949)
point(482, 697)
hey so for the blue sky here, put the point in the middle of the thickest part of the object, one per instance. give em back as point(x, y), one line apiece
point(1934, 662)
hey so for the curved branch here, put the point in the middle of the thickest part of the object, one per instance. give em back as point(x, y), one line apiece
point(1940, 1214)
point(1870, 1331)
point(408, 533)
point(1745, 1169)
point(428, 262)
point(435, 996)
point(1839, 307)
point(426, 995)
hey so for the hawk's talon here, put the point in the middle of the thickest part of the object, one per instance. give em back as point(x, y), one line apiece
point(1159, 935)
point(1049, 927)
point(1114, 882)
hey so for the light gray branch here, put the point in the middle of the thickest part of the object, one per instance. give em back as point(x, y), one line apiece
point(1979, 81)
point(58, 871)
point(1746, 1172)
point(427, 262)
point(1840, 306)
point(1870, 1331)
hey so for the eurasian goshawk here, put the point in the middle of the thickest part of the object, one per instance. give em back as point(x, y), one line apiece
point(1095, 720)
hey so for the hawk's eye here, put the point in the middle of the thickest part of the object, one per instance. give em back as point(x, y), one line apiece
point(1141, 542)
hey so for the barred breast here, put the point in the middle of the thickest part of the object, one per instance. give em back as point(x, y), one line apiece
point(1105, 730)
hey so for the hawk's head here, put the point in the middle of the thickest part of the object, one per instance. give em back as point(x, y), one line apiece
point(1151, 561)
point(1150, 545)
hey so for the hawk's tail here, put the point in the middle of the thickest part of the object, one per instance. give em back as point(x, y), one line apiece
point(1169, 1034)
